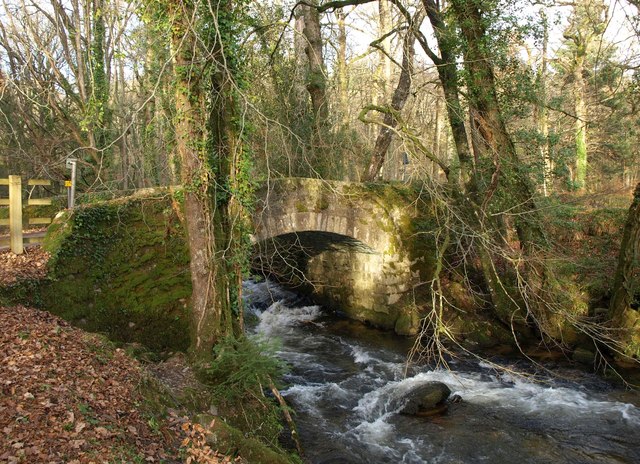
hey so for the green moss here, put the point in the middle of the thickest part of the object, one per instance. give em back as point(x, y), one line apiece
point(121, 267)
point(408, 322)
point(232, 441)
point(301, 207)
point(322, 203)
point(478, 332)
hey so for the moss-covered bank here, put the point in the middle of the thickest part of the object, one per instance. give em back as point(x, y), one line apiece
point(119, 267)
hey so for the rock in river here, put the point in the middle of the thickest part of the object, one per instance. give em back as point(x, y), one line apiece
point(426, 399)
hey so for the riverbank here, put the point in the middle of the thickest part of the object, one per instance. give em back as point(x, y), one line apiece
point(347, 383)
point(68, 396)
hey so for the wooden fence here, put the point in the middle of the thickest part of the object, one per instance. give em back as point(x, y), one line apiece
point(14, 202)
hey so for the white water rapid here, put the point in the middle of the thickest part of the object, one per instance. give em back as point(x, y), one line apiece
point(345, 382)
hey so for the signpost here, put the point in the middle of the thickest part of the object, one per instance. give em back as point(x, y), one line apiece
point(71, 185)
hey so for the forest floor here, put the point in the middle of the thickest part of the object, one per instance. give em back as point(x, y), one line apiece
point(31, 265)
point(68, 396)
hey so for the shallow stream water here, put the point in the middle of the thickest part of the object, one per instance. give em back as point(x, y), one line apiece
point(345, 381)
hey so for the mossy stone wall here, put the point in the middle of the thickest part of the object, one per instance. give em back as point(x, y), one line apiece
point(122, 267)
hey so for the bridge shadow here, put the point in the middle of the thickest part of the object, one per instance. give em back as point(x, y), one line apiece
point(285, 258)
point(336, 271)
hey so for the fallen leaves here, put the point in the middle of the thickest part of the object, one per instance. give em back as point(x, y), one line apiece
point(68, 396)
point(31, 265)
point(197, 449)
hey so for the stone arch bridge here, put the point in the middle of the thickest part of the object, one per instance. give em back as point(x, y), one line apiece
point(354, 246)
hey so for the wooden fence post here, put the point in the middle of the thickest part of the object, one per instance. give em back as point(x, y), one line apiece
point(15, 214)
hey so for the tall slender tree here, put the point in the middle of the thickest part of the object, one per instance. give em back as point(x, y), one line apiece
point(586, 26)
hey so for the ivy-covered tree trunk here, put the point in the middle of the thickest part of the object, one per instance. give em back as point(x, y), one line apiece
point(580, 107)
point(491, 138)
point(101, 115)
point(528, 288)
point(300, 97)
point(586, 25)
point(625, 304)
point(211, 157)
point(541, 112)
point(446, 65)
point(99, 76)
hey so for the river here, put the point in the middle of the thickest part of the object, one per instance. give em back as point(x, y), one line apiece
point(345, 380)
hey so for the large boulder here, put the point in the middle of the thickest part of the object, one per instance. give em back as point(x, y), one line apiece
point(426, 399)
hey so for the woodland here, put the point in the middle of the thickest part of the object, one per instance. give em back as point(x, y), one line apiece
point(519, 120)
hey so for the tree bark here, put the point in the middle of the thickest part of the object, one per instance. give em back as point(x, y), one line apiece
point(301, 94)
point(208, 168)
point(342, 71)
point(437, 136)
point(624, 310)
point(384, 23)
point(390, 120)
point(526, 287)
point(588, 21)
point(492, 138)
point(446, 65)
point(580, 122)
point(542, 112)
point(317, 75)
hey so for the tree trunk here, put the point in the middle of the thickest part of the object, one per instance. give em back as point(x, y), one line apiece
point(437, 137)
point(462, 175)
point(317, 76)
point(542, 112)
point(301, 95)
point(343, 77)
point(625, 304)
point(208, 164)
point(384, 23)
point(528, 288)
point(492, 138)
point(580, 122)
point(99, 101)
point(392, 113)
point(448, 74)
point(587, 23)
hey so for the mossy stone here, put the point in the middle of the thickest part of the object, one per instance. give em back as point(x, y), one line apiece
point(122, 267)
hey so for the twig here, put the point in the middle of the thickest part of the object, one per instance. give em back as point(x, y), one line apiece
point(287, 416)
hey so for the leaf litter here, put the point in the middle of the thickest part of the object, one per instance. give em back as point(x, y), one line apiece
point(67, 396)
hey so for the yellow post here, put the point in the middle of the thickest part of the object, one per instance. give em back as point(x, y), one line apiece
point(15, 214)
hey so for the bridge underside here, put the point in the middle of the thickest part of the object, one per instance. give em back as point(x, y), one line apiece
point(352, 246)
point(342, 274)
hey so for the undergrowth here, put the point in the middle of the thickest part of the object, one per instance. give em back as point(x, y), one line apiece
point(242, 371)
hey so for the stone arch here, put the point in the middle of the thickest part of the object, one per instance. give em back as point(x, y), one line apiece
point(372, 282)
point(304, 205)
